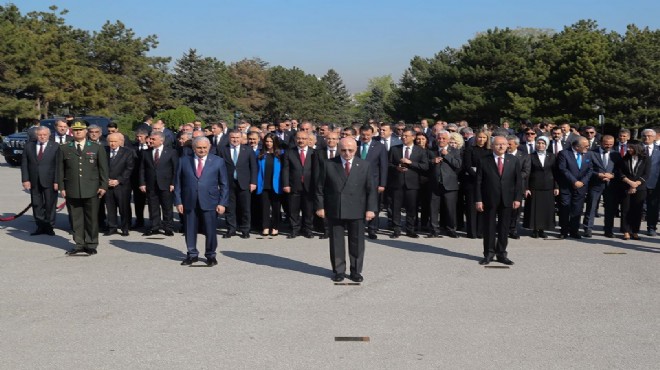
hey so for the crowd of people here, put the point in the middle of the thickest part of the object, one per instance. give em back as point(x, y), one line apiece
point(437, 179)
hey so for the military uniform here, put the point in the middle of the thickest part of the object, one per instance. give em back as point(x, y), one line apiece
point(81, 175)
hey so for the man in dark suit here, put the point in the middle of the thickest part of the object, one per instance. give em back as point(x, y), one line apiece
point(526, 168)
point(376, 154)
point(61, 134)
point(118, 196)
point(603, 183)
point(201, 192)
point(445, 166)
point(298, 183)
point(82, 178)
point(406, 163)
point(498, 189)
point(574, 169)
point(652, 190)
point(346, 196)
point(219, 139)
point(38, 170)
point(287, 137)
point(157, 172)
point(241, 164)
point(145, 125)
point(567, 133)
point(528, 146)
point(330, 151)
point(139, 198)
point(557, 144)
point(622, 145)
point(591, 135)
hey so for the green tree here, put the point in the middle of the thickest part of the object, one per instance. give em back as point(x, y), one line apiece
point(250, 77)
point(385, 85)
point(341, 99)
point(174, 118)
point(300, 95)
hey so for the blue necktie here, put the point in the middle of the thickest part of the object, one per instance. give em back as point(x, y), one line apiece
point(234, 158)
point(579, 161)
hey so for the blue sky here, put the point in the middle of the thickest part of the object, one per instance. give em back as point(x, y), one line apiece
point(359, 39)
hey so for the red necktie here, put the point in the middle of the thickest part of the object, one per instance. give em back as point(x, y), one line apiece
point(41, 151)
point(500, 165)
point(407, 153)
point(200, 166)
point(347, 168)
point(302, 161)
point(156, 156)
point(622, 149)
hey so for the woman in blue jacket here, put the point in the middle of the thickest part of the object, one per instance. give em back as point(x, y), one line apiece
point(268, 184)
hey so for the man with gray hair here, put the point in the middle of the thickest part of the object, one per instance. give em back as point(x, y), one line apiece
point(574, 172)
point(652, 193)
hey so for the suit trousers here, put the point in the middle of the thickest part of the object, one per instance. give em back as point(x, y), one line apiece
point(43, 206)
point(631, 211)
point(160, 203)
point(139, 201)
point(301, 202)
point(239, 209)
point(84, 212)
point(355, 230)
point(497, 220)
point(474, 223)
point(652, 207)
point(270, 210)
point(194, 218)
point(443, 204)
point(593, 196)
point(118, 198)
point(571, 205)
point(408, 198)
point(611, 201)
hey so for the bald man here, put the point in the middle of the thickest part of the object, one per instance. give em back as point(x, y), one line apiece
point(121, 161)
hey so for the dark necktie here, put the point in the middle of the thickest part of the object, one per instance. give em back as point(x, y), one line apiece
point(622, 149)
point(79, 149)
point(531, 148)
point(332, 153)
point(156, 156)
point(347, 168)
point(113, 154)
point(407, 155)
point(41, 151)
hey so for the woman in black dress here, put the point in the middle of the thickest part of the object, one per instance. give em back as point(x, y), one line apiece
point(633, 171)
point(479, 148)
point(424, 198)
point(541, 191)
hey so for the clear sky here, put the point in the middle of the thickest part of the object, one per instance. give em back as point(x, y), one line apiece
point(360, 39)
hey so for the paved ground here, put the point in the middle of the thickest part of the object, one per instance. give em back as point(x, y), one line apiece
point(270, 303)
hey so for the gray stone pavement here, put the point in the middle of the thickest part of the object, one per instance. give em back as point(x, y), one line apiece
point(424, 304)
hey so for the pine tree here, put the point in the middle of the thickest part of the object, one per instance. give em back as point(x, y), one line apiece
point(341, 99)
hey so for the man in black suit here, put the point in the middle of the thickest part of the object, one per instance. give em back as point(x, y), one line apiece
point(157, 172)
point(567, 133)
point(145, 125)
point(445, 166)
point(574, 169)
point(298, 182)
point(139, 198)
point(406, 163)
point(591, 135)
point(376, 154)
point(557, 144)
point(528, 145)
point(241, 164)
point(526, 168)
point(287, 138)
point(346, 196)
point(603, 183)
point(61, 134)
point(330, 151)
point(218, 139)
point(38, 174)
point(120, 167)
point(498, 189)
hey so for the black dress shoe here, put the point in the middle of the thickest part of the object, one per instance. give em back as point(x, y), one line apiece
point(124, 233)
point(356, 278)
point(372, 236)
point(562, 236)
point(514, 236)
point(90, 251)
point(292, 236)
point(452, 234)
point(576, 236)
point(73, 251)
point(50, 232)
point(412, 235)
point(432, 235)
point(168, 233)
point(587, 234)
point(338, 277)
point(245, 235)
point(485, 260)
point(211, 261)
point(309, 235)
point(324, 236)
point(396, 234)
point(37, 232)
point(189, 261)
point(535, 234)
point(229, 234)
point(505, 261)
point(609, 235)
point(542, 234)
point(150, 232)
point(110, 232)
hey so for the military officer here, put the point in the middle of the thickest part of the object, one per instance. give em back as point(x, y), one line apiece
point(82, 181)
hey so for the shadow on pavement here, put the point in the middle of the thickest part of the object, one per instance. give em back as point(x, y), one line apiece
point(424, 248)
point(627, 244)
point(157, 250)
point(278, 262)
point(51, 241)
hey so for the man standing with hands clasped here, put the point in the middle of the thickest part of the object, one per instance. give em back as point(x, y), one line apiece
point(498, 190)
point(201, 191)
point(346, 194)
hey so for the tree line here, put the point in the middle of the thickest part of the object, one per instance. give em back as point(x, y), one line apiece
point(48, 67)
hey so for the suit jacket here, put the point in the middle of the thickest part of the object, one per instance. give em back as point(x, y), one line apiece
point(551, 146)
point(289, 140)
point(378, 158)
point(208, 191)
point(293, 171)
point(542, 177)
point(82, 175)
point(346, 197)
point(394, 141)
point(224, 141)
point(444, 175)
point(525, 165)
point(652, 180)
point(568, 172)
point(495, 190)
point(277, 173)
point(640, 172)
point(158, 176)
point(410, 178)
point(55, 138)
point(40, 172)
point(600, 167)
point(524, 148)
point(245, 167)
point(121, 166)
